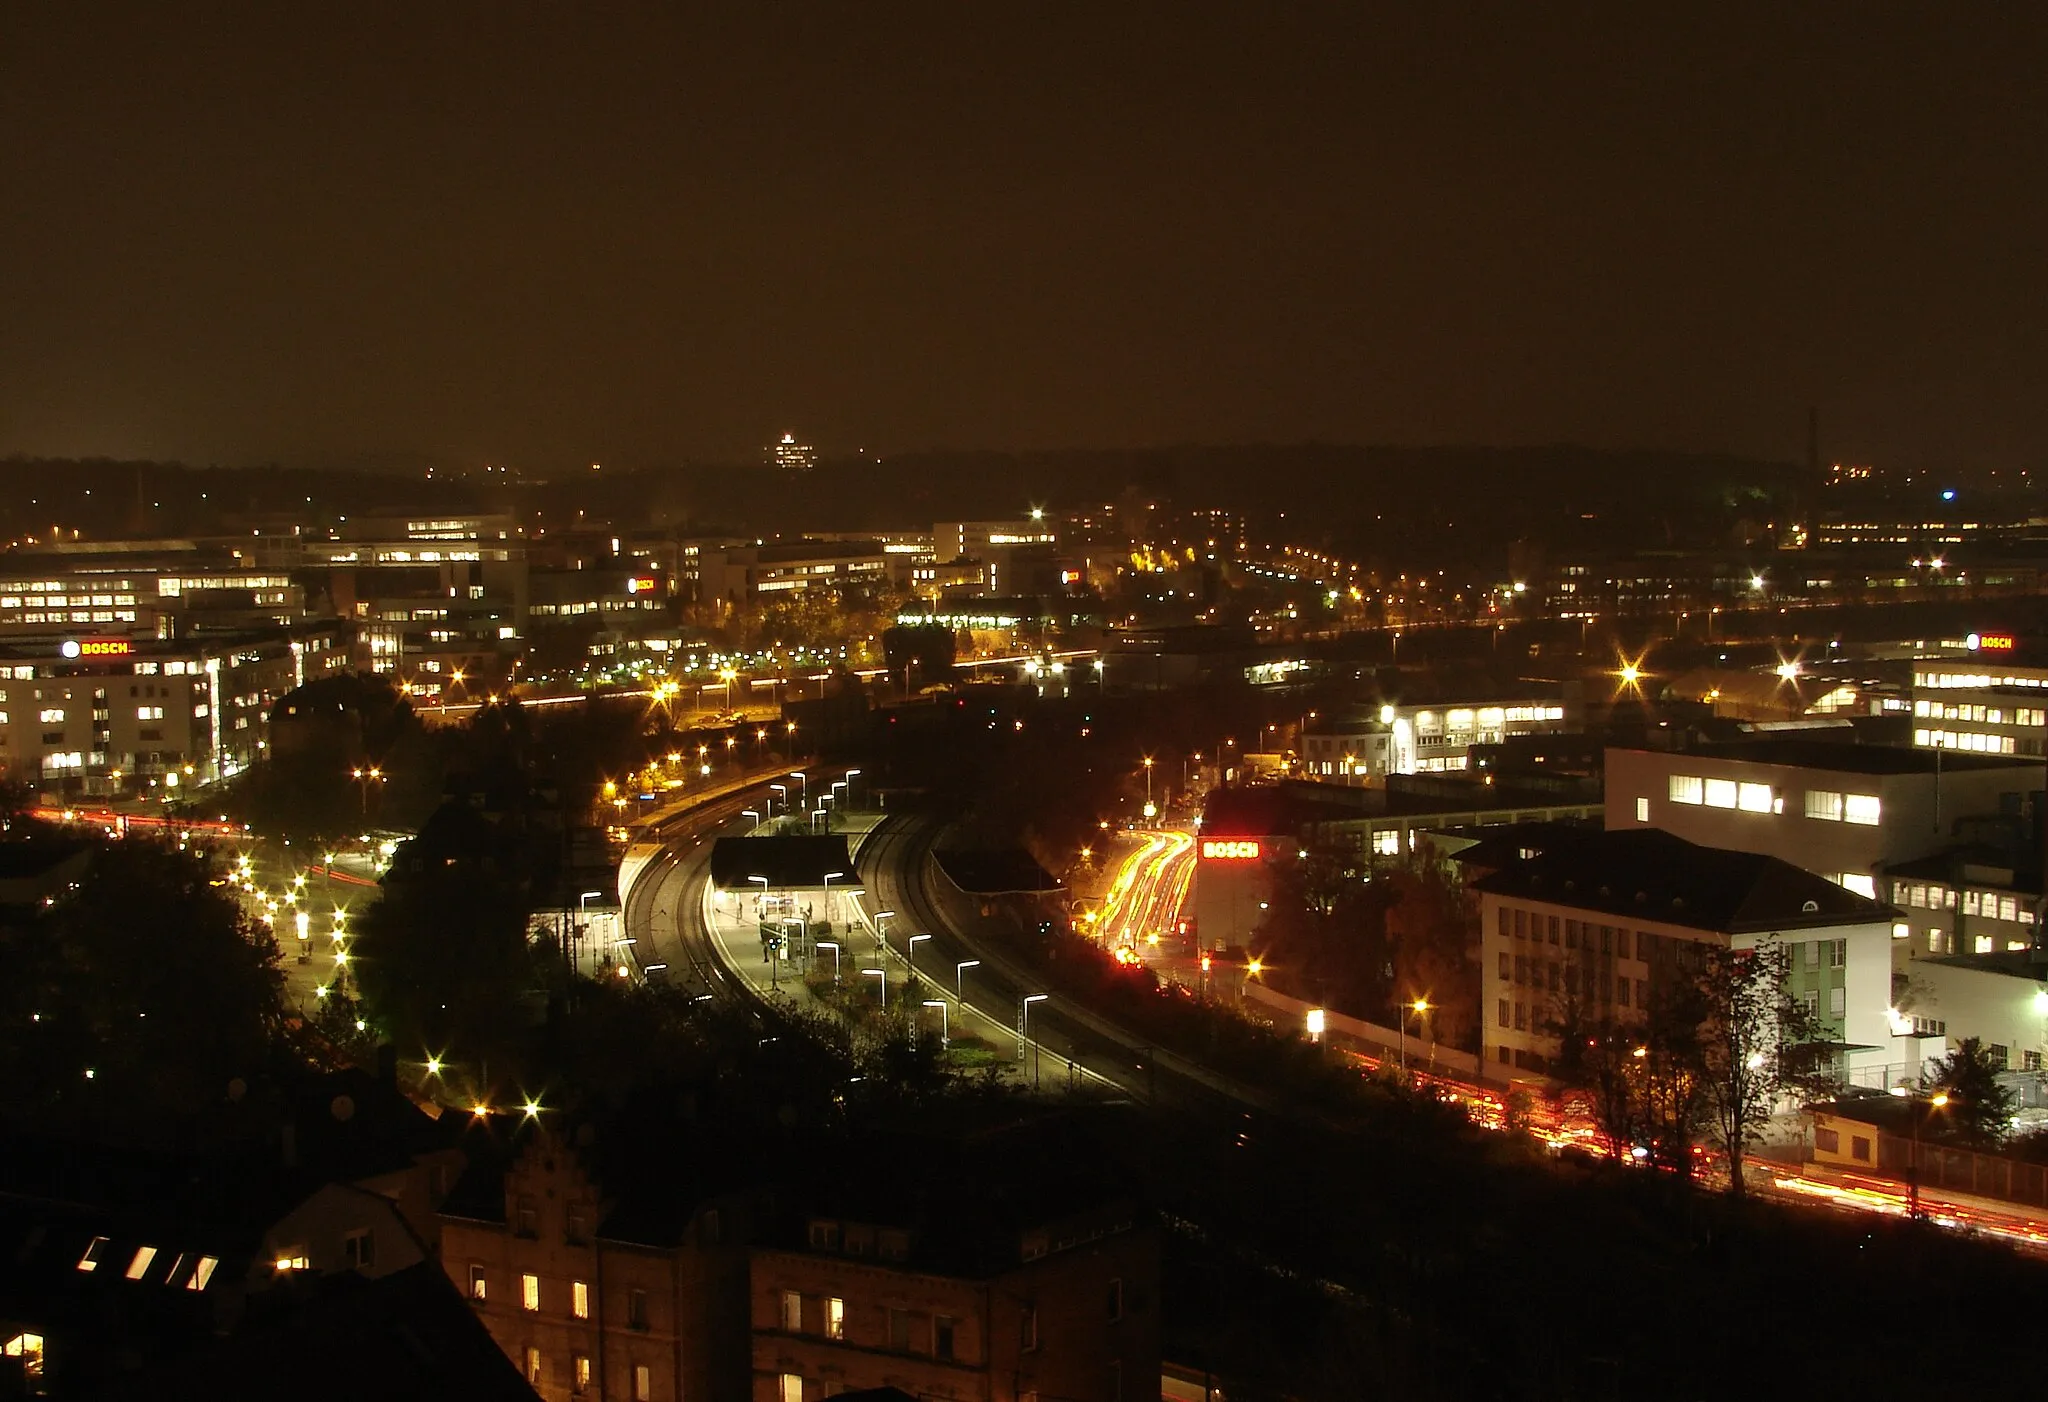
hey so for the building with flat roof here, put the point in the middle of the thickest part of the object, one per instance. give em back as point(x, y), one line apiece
point(92, 715)
point(1245, 828)
point(1991, 700)
point(1846, 811)
point(1597, 922)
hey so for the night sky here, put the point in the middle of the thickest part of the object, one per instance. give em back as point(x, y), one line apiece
point(550, 234)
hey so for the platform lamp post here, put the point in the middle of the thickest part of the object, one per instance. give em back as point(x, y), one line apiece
point(945, 1023)
point(851, 775)
point(960, 976)
point(832, 945)
point(883, 975)
point(1029, 999)
point(830, 876)
point(910, 957)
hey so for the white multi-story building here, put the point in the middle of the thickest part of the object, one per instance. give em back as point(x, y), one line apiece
point(1420, 739)
point(1846, 812)
point(103, 715)
point(1591, 928)
point(2001, 999)
point(1986, 702)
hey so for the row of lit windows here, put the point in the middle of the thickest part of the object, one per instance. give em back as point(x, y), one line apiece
point(14, 601)
point(1971, 741)
point(1827, 805)
point(1988, 905)
point(190, 1271)
point(1986, 715)
point(1940, 941)
point(1975, 680)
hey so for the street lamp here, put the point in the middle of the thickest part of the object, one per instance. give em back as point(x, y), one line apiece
point(881, 930)
point(960, 976)
point(803, 787)
point(910, 957)
point(782, 789)
point(828, 890)
point(1936, 1101)
point(1029, 999)
point(849, 787)
point(753, 813)
point(945, 1023)
point(883, 975)
point(1148, 781)
point(1420, 1007)
point(832, 945)
point(582, 914)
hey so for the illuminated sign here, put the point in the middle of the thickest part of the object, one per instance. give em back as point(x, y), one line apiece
point(1231, 851)
point(640, 586)
point(1995, 642)
point(95, 647)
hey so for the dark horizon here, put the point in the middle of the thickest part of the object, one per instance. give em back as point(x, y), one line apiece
point(517, 235)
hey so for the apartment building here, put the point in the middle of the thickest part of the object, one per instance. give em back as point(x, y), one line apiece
point(593, 1296)
point(1845, 811)
point(1067, 1306)
point(613, 1275)
point(1594, 925)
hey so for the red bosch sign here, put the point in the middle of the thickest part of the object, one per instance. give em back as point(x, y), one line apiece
point(96, 647)
point(1995, 642)
point(1221, 851)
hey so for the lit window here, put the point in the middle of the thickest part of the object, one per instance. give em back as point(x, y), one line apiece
point(529, 1292)
point(1687, 788)
point(52, 715)
point(202, 1272)
point(533, 1365)
point(95, 1252)
point(583, 1372)
point(1862, 885)
point(792, 1312)
point(1824, 805)
point(1720, 793)
point(143, 1256)
point(579, 1300)
point(479, 1287)
point(1861, 808)
point(792, 1387)
point(1753, 798)
point(643, 1383)
point(835, 1318)
point(1642, 810)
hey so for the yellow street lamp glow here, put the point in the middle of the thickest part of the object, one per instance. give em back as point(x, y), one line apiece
point(480, 1109)
point(1938, 1099)
point(532, 1108)
point(433, 1066)
point(1255, 967)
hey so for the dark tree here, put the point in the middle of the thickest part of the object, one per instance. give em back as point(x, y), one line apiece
point(1755, 1047)
point(1979, 1109)
point(137, 997)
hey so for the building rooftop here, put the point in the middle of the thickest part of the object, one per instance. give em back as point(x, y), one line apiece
point(2014, 963)
point(1835, 757)
point(788, 863)
point(1648, 874)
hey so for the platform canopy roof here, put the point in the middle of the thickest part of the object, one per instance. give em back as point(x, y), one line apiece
point(788, 863)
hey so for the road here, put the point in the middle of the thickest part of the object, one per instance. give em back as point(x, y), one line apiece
point(1069, 1044)
point(1141, 908)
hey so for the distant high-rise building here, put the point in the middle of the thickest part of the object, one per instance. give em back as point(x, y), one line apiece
point(792, 456)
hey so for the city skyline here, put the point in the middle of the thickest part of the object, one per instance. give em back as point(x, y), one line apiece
point(517, 236)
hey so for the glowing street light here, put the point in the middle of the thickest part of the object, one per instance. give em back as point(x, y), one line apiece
point(910, 957)
point(832, 945)
point(960, 976)
point(945, 1022)
point(883, 975)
